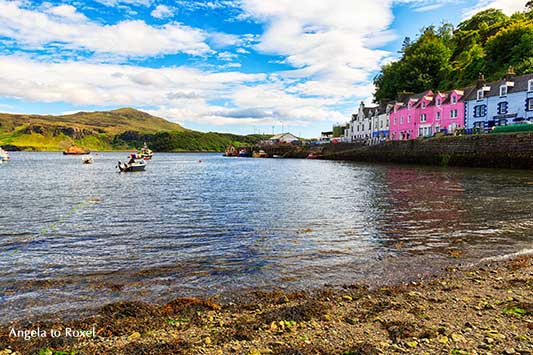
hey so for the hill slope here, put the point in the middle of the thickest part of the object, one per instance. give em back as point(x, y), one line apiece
point(121, 129)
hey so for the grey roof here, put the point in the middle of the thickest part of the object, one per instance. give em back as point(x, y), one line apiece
point(520, 84)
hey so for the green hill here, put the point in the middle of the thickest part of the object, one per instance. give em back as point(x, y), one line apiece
point(121, 129)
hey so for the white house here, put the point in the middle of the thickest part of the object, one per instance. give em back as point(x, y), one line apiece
point(380, 123)
point(361, 123)
point(283, 138)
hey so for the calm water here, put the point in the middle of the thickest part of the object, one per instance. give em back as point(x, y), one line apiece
point(75, 236)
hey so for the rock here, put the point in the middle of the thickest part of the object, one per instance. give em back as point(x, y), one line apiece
point(509, 351)
point(207, 341)
point(458, 338)
point(347, 298)
point(411, 344)
point(443, 339)
point(283, 300)
point(134, 335)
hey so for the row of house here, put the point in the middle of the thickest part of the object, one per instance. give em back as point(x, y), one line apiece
point(425, 114)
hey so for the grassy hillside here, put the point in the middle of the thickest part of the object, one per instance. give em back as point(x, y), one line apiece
point(121, 129)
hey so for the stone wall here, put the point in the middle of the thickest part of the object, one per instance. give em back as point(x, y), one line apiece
point(488, 150)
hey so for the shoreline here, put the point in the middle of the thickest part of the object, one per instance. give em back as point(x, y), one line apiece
point(466, 310)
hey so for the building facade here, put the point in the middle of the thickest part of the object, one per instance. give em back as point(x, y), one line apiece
point(380, 123)
point(426, 114)
point(500, 103)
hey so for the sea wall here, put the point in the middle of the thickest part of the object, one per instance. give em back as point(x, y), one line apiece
point(513, 150)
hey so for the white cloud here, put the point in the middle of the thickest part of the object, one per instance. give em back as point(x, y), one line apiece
point(145, 3)
point(331, 45)
point(507, 6)
point(252, 98)
point(162, 11)
point(64, 25)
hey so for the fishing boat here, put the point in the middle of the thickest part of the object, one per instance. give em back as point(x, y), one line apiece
point(244, 153)
point(4, 155)
point(134, 164)
point(87, 160)
point(260, 154)
point(145, 153)
point(75, 150)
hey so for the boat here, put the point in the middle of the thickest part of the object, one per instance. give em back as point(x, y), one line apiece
point(134, 164)
point(75, 150)
point(260, 154)
point(313, 156)
point(231, 151)
point(87, 160)
point(145, 153)
point(244, 153)
point(4, 155)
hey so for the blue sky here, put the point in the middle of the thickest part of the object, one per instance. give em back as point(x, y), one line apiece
point(241, 66)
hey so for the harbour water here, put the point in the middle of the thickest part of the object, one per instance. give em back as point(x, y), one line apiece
point(74, 236)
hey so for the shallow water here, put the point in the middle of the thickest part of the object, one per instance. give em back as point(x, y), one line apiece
point(75, 236)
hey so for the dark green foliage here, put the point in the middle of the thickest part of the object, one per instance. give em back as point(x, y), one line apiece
point(444, 58)
point(185, 141)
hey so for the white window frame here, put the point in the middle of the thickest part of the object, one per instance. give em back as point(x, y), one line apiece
point(530, 85)
point(530, 105)
point(401, 120)
point(503, 90)
point(438, 116)
point(453, 113)
point(424, 117)
point(438, 102)
point(408, 118)
point(423, 104)
point(480, 94)
point(454, 99)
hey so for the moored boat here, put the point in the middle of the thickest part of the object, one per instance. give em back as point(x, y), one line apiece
point(132, 165)
point(313, 156)
point(260, 154)
point(4, 156)
point(87, 160)
point(145, 153)
point(75, 150)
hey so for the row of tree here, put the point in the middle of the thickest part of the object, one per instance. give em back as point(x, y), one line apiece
point(447, 57)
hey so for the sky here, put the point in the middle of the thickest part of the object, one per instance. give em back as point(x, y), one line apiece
point(240, 66)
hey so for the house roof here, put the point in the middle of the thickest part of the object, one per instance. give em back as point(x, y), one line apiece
point(283, 136)
point(520, 84)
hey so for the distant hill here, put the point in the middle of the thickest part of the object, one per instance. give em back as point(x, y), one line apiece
point(121, 129)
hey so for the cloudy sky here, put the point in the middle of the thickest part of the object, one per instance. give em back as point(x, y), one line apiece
point(240, 66)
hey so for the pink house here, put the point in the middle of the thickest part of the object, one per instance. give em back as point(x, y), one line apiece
point(424, 114)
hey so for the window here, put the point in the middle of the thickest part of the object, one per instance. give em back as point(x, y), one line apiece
point(438, 116)
point(480, 94)
point(437, 129)
point(394, 120)
point(401, 120)
point(503, 108)
point(423, 117)
point(530, 85)
point(408, 118)
point(420, 131)
point(423, 104)
point(480, 111)
point(438, 102)
point(453, 113)
point(503, 90)
point(454, 99)
point(530, 104)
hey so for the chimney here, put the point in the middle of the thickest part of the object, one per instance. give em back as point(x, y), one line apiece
point(480, 81)
point(510, 74)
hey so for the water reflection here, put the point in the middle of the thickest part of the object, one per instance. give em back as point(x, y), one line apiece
point(75, 236)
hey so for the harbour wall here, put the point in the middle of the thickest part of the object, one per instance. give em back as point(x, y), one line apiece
point(511, 150)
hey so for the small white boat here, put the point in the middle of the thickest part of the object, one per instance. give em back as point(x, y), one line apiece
point(4, 155)
point(87, 160)
point(133, 164)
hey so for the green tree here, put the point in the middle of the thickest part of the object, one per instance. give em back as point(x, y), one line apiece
point(511, 46)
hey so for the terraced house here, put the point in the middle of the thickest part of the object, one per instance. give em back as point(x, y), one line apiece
point(427, 113)
point(500, 103)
